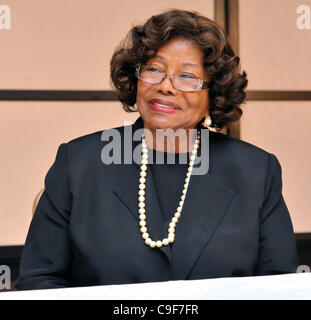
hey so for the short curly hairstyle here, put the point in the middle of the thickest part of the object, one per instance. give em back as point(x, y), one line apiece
point(227, 83)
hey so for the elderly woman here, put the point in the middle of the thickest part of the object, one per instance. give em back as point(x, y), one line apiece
point(123, 222)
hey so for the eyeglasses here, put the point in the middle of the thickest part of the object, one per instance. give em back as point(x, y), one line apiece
point(180, 81)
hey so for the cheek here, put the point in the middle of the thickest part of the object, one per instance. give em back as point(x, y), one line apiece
point(142, 90)
point(199, 104)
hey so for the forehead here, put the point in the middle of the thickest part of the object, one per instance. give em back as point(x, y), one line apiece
point(182, 51)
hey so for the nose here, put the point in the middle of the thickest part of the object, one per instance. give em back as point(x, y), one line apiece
point(166, 86)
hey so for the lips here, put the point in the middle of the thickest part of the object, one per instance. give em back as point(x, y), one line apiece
point(163, 105)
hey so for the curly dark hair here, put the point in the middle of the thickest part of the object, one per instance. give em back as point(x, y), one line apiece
point(227, 84)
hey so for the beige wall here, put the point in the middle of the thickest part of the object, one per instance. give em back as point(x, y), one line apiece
point(273, 50)
point(276, 56)
point(56, 44)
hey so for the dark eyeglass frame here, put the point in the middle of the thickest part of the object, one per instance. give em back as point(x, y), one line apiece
point(202, 84)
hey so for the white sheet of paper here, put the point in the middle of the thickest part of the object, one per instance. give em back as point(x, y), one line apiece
point(280, 287)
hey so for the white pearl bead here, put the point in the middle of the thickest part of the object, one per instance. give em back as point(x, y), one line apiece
point(172, 225)
point(171, 230)
point(141, 211)
point(142, 187)
point(159, 244)
point(142, 223)
point(174, 219)
point(143, 229)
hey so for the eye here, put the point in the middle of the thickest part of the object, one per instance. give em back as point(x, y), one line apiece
point(187, 76)
point(154, 69)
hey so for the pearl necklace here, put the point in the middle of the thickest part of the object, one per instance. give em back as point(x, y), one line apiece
point(141, 199)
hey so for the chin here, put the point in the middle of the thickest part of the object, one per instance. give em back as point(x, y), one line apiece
point(159, 122)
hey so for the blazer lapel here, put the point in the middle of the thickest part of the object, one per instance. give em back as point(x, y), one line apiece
point(205, 205)
point(127, 192)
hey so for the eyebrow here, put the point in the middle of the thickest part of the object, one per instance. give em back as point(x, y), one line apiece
point(189, 64)
point(185, 64)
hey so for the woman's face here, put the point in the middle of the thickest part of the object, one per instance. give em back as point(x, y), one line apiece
point(153, 101)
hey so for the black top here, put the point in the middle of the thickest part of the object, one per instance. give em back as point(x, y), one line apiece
point(85, 230)
point(169, 179)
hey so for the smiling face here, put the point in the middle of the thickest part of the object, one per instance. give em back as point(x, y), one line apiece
point(161, 106)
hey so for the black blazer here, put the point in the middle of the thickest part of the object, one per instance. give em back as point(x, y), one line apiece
point(85, 229)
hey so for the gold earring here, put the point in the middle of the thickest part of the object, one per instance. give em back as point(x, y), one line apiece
point(207, 122)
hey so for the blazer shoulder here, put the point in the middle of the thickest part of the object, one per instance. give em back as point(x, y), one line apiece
point(92, 137)
point(90, 141)
point(238, 162)
point(230, 145)
point(83, 155)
